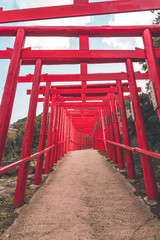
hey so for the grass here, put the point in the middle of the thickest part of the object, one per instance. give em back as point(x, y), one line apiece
point(7, 210)
point(7, 213)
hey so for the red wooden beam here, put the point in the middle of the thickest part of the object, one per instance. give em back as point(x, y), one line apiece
point(28, 139)
point(84, 125)
point(79, 86)
point(82, 116)
point(76, 31)
point(50, 57)
point(82, 77)
point(81, 112)
point(77, 56)
point(79, 91)
point(78, 105)
point(148, 171)
point(84, 105)
point(126, 138)
point(10, 90)
point(75, 10)
point(43, 134)
point(84, 122)
point(73, 99)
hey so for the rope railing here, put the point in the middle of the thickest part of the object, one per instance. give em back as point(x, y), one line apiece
point(24, 160)
point(133, 149)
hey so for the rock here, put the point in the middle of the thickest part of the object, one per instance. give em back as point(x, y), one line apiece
point(31, 170)
point(30, 176)
point(1, 188)
point(9, 192)
point(13, 184)
point(13, 171)
point(150, 202)
point(131, 180)
point(123, 171)
point(34, 186)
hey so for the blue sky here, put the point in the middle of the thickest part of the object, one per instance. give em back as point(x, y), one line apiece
point(22, 100)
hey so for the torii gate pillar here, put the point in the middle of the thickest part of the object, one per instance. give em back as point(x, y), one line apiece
point(150, 182)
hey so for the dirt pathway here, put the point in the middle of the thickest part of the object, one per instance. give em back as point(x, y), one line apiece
point(85, 198)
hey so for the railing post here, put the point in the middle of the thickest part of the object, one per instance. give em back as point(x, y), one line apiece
point(82, 141)
point(43, 133)
point(58, 133)
point(86, 143)
point(107, 133)
point(151, 186)
point(111, 134)
point(152, 63)
point(64, 133)
point(54, 136)
point(97, 145)
point(117, 133)
point(49, 140)
point(10, 90)
point(28, 138)
point(61, 134)
point(69, 145)
point(67, 136)
point(126, 140)
point(102, 130)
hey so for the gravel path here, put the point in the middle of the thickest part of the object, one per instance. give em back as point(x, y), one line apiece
point(85, 198)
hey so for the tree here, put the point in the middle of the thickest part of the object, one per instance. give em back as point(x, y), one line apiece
point(14, 144)
point(151, 122)
point(156, 41)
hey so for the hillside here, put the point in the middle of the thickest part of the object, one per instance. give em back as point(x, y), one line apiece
point(14, 142)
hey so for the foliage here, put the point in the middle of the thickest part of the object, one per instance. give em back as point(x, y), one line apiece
point(7, 213)
point(14, 145)
point(151, 122)
point(150, 116)
point(36, 133)
point(156, 41)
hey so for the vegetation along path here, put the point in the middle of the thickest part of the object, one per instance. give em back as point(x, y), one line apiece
point(85, 198)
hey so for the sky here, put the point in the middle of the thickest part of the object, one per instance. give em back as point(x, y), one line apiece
point(21, 103)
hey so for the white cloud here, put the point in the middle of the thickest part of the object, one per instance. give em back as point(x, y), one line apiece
point(55, 43)
point(128, 19)
point(7, 4)
point(44, 3)
point(48, 43)
point(51, 43)
point(118, 43)
point(139, 42)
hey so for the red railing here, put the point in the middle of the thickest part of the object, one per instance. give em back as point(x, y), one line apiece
point(22, 161)
point(133, 149)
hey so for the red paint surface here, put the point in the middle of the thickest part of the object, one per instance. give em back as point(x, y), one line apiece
point(75, 10)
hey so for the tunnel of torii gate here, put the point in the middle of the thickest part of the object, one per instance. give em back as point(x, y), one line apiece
point(84, 115)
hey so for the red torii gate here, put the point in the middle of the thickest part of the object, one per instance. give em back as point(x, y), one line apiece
point(78, 8)
point(66, 129)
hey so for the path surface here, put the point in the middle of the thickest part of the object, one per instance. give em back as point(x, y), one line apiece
point(85, 198)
